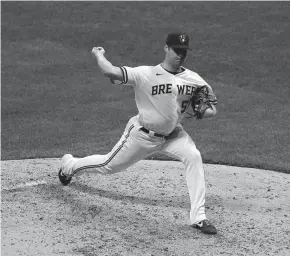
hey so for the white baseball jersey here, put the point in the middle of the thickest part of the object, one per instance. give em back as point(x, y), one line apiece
point(162, 97)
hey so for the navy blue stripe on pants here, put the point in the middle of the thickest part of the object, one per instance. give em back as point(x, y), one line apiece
point(111, 157)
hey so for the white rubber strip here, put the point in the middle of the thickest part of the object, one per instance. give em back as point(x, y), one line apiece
point(24, 184)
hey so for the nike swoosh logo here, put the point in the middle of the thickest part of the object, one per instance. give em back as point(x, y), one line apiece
point(157, 74)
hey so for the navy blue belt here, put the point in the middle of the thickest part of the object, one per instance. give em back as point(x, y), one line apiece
point(154, 133)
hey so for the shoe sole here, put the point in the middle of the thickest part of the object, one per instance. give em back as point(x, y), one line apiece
point(205, 232)
point(209, 233)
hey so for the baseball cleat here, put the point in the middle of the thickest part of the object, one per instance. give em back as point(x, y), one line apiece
point(65, 180)
point(206, 227)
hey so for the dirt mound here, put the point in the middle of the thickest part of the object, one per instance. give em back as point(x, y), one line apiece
point(143, 211)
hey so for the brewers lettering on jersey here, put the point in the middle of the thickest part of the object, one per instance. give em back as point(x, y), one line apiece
point(162, 95)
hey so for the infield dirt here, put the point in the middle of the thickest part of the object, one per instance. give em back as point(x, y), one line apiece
point(142, 211)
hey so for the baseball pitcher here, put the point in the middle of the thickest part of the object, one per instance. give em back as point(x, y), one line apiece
point(163, 95)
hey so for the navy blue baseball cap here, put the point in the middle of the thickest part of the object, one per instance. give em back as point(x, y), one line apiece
point(178, 40)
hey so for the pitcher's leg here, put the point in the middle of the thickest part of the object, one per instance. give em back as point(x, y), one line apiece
point(125, 153)
point(196, 186)
point(181, 145)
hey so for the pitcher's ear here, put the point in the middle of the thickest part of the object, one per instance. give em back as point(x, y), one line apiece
point(166, 48)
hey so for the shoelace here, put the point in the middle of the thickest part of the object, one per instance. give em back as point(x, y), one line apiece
point(201, 223)
point(207, 222)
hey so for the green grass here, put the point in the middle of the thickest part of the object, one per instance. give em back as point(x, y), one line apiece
point(55, 100)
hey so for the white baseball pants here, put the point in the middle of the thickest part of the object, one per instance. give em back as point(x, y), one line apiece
point(136, 145)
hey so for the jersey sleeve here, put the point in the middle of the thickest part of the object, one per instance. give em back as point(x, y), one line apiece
point(132, 76)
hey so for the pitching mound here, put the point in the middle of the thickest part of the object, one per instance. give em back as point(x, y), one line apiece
point(143, 211)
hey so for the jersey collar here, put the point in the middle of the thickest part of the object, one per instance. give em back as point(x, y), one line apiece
point(173, 73)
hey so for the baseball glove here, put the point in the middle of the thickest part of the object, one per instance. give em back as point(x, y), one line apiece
point(200, 101)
